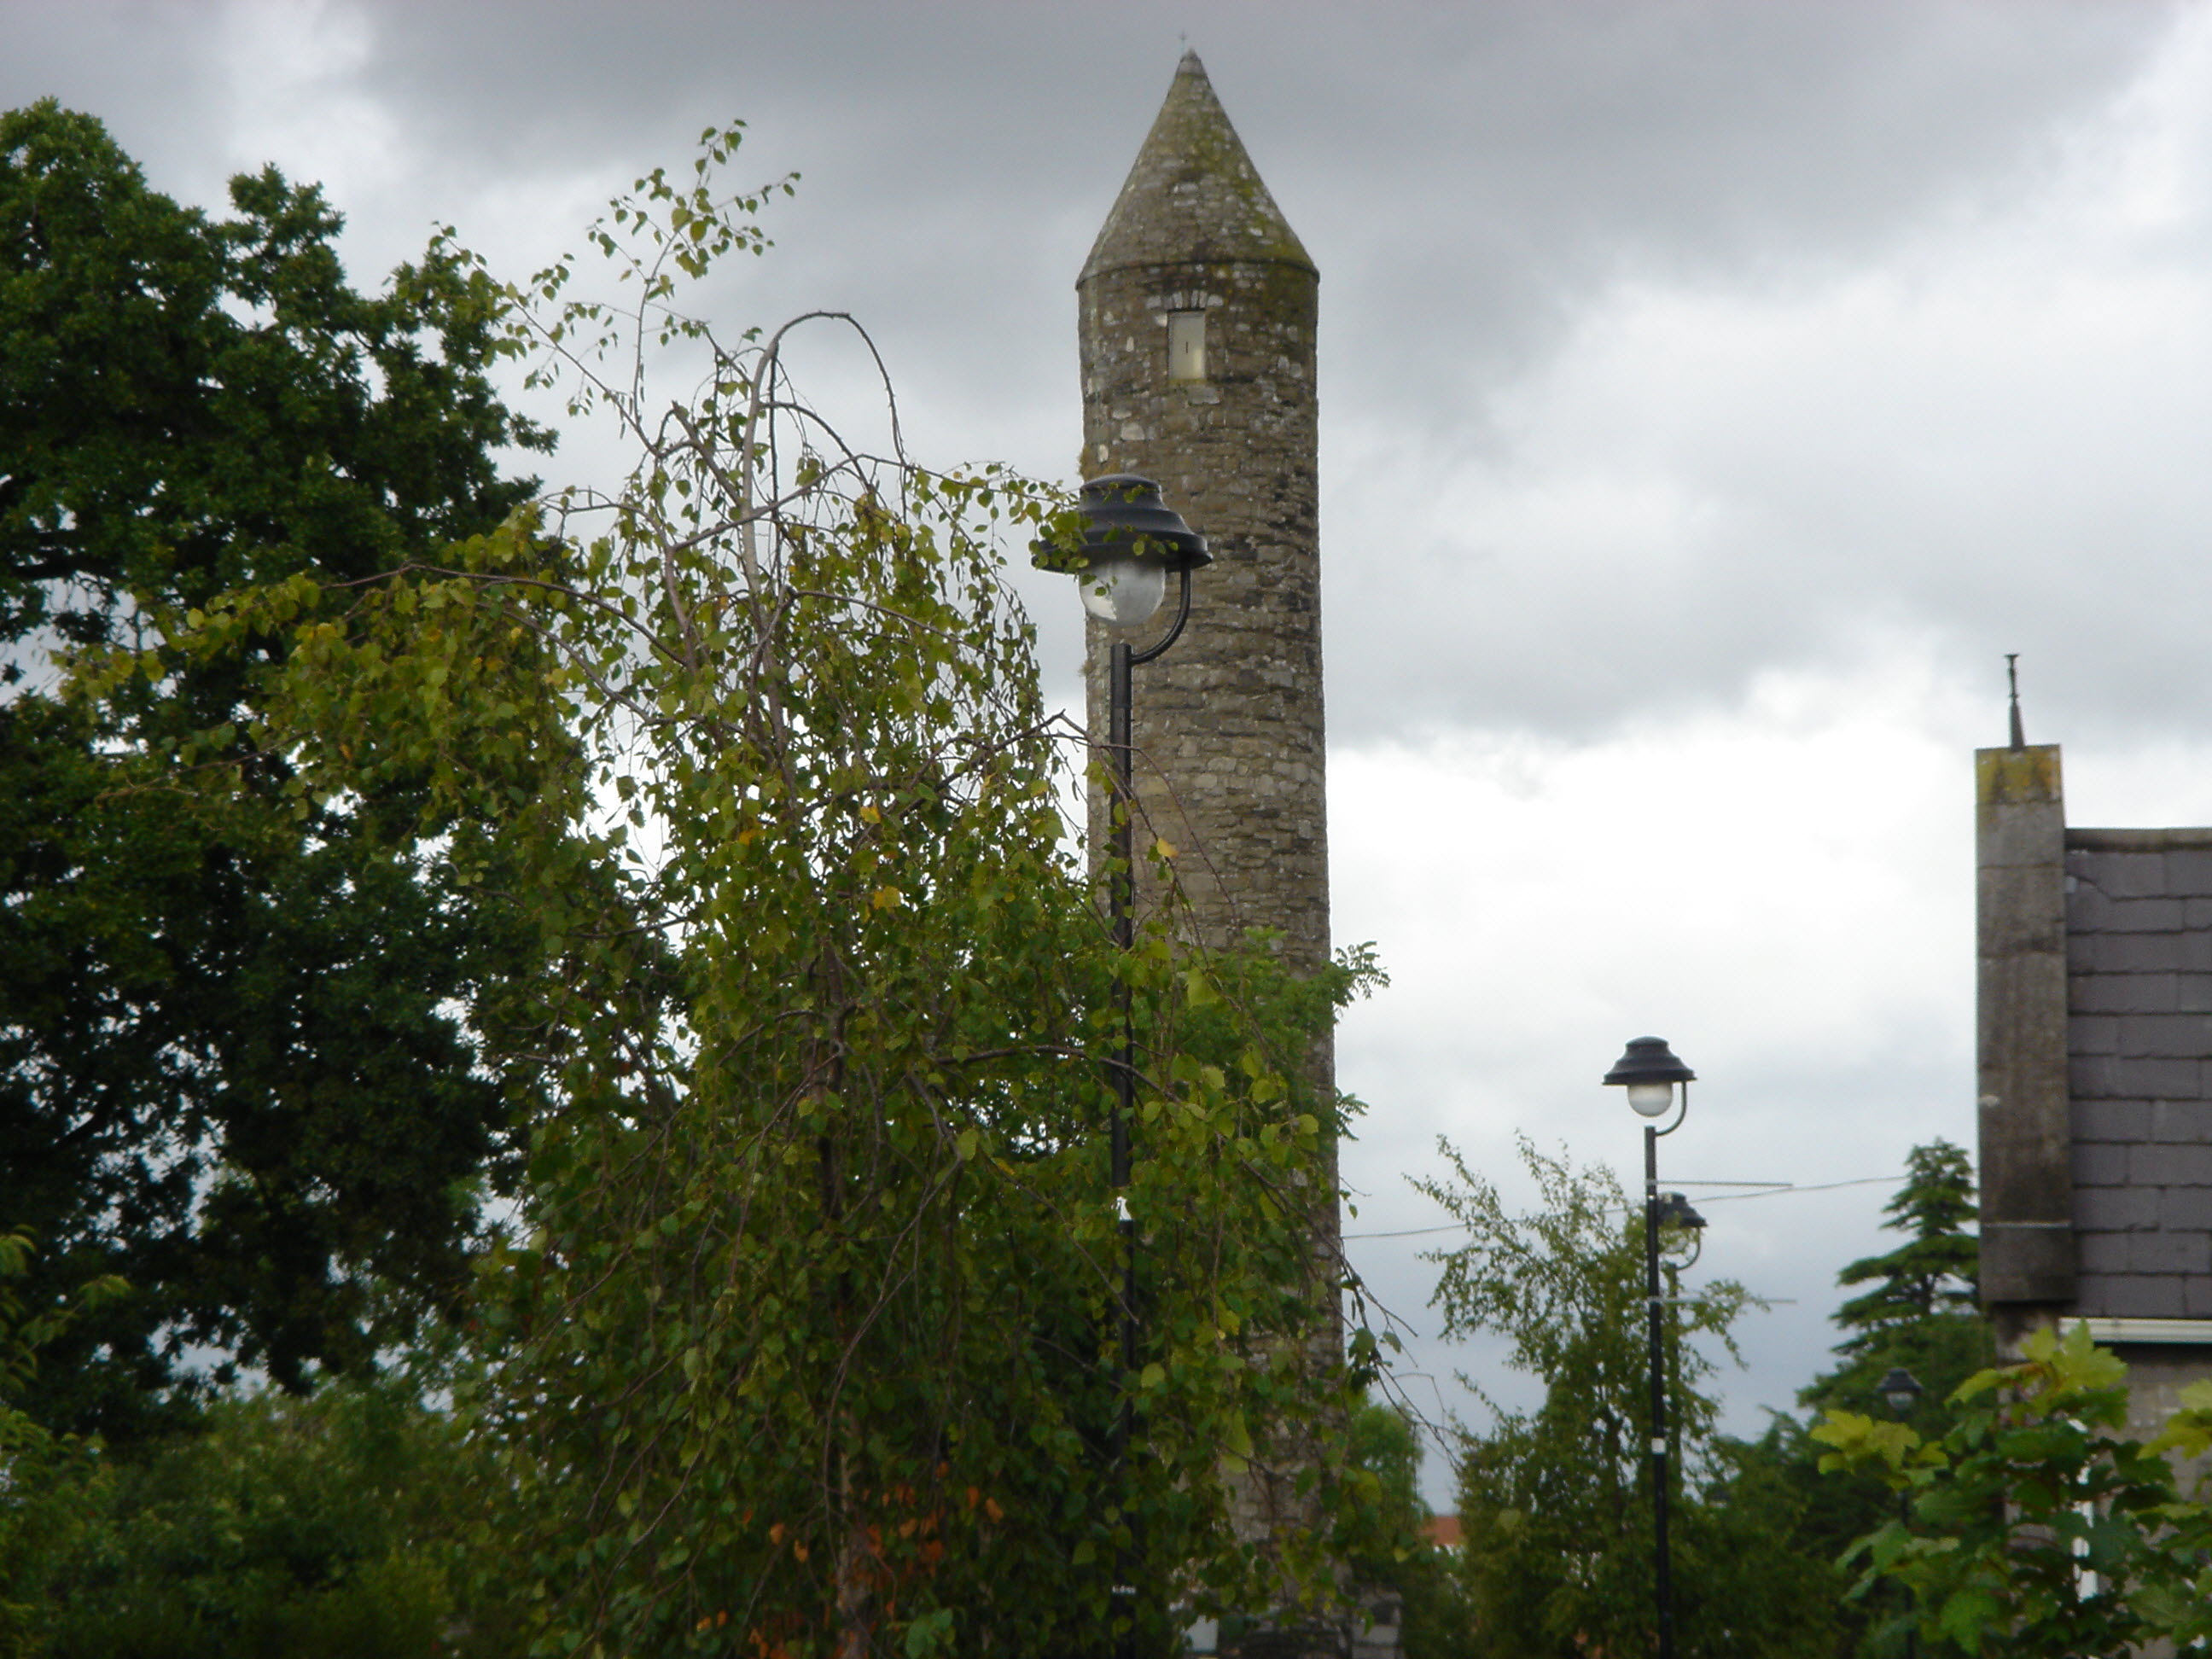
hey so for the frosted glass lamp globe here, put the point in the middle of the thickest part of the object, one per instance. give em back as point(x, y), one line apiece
point(1650, 1099)
point(1122, 590)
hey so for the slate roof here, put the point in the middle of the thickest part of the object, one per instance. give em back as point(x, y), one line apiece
point(2139, 1042)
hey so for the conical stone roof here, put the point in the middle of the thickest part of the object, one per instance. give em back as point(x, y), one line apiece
point(1194, 196)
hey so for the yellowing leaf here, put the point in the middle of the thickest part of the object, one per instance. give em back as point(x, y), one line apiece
point(887, 898)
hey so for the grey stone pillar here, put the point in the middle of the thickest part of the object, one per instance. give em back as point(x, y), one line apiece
point(2027, 1197)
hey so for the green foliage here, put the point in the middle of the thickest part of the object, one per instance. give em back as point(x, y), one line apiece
point(1920, 1310)
point(2035, 1527)
point(806, 1340)
point(1933, 1271)
point(228, 1066)
point(332, 1525)
point(1919, 1314)
point(1555, 1505)
point(1389, 1545)
point(35, 1463)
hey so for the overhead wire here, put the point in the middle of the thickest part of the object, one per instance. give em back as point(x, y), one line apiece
point(1769, 1189)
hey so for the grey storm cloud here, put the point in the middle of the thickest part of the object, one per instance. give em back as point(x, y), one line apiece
point(1478, 185)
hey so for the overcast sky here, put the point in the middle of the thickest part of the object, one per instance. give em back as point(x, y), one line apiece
point(1711, 393)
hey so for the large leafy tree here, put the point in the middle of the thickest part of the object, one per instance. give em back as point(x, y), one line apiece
point(806, 1340)
point(229, 1067)
point(1555, 1502)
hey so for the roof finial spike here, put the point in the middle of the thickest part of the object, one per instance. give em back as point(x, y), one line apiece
point(2012, 679)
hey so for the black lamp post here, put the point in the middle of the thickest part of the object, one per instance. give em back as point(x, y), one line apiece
point(1650, 1074)
point(1901, 1391)
point(1132, 541)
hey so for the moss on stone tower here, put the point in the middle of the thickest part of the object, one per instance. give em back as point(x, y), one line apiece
point(1197, 260)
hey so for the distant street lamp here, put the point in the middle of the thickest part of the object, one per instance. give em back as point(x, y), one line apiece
point(1652, 1074)
point(1901, 1391)
point(1132, 541)
point(1688, 1228)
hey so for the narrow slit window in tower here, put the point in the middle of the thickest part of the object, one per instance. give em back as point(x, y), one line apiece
point(1186, 345)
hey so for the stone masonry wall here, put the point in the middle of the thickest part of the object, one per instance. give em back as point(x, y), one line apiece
point(1228, 725)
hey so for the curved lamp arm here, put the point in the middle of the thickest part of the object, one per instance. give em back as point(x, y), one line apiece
point(1175, 631)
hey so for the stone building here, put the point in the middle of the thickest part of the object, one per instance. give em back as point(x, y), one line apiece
point(1197, 307)
point(2095, 1063)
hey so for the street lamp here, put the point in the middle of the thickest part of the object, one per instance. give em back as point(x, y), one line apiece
point(1132, 541)
point(1652, 1074)
point(1901, 1391)
point(1687, 1230)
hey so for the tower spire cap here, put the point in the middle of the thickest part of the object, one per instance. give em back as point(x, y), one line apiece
point(1193, 195)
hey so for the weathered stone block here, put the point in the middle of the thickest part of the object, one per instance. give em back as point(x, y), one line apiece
point(2026, 1263)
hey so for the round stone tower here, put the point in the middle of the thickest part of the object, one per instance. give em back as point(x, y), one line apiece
point(1198, 307)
